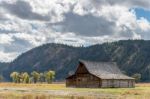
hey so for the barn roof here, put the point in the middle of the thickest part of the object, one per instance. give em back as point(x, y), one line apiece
point(104, 70)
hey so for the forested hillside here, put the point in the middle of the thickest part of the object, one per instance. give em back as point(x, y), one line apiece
point(132, 56)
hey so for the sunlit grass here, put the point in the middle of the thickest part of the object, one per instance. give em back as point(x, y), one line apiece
point(36, 86)
point(40, 91)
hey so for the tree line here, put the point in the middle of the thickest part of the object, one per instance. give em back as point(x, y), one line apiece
point(33, 77)
point(47, 76)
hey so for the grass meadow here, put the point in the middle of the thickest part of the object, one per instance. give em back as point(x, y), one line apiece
point(59, 91)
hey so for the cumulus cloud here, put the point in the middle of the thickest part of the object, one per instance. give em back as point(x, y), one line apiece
point(128, 3)
point(87, 25)
point(7, 57)
point(23, 10)
point(5, 39)
point(25, 24)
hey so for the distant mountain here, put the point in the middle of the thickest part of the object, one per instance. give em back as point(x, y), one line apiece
point(132, 56)
point(3, 66)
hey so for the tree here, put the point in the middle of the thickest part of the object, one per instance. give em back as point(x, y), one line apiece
point(15, 77)
point(35, 76)
point(42, 77)
point(20, 78)
point(137, 77)
point(49, 76)
point(25, 77)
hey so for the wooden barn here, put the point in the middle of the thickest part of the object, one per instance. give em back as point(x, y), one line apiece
point(99, 75)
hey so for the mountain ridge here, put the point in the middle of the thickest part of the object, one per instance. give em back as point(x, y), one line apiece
point(132, 56)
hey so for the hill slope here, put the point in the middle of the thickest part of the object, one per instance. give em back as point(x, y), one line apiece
point(3, 66)
point(131, 56)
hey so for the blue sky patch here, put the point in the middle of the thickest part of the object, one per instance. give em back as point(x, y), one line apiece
point(142, 13)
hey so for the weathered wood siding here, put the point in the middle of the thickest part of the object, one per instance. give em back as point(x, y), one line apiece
point(87, 80)
point(71, 81)
point(83, 78)
point(117, 83)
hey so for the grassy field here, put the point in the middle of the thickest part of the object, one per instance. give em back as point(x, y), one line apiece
point(59, 91)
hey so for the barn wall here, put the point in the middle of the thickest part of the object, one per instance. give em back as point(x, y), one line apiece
point(83, 79)
point(87, 81)
point(70, 82)
point(90, 81)
point(117, 83)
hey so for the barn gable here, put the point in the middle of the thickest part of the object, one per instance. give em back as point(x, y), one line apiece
point(81, 69)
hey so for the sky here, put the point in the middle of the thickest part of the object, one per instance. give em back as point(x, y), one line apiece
point(25, 24)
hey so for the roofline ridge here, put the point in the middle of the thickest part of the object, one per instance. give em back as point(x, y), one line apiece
point(81, 60)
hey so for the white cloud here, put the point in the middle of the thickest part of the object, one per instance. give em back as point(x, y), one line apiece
point(75, 22)
point(5, 39)
point(144, 24)
point(7, 57)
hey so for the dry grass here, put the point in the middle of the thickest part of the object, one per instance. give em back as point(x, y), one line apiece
point(59, 91)
point(33, 86)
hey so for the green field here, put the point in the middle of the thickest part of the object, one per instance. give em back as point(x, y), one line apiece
point(59, 91)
